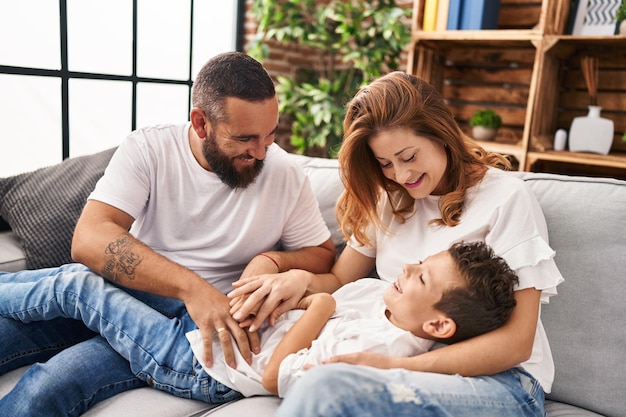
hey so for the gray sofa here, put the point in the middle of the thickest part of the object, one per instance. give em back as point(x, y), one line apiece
point(587, 223)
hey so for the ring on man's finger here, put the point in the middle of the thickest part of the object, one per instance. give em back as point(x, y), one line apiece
point(221, 329)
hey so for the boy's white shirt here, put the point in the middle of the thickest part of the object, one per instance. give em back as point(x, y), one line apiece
point(359, 324)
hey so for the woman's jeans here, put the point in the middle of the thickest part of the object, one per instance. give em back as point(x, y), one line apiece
point(357, 391)
point(148, 331)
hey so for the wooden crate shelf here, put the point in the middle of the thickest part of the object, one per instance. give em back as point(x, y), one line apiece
point(529, 72)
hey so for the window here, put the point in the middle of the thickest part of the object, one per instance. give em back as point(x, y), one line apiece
point(76, 76)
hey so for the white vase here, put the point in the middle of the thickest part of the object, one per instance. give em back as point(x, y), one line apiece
point(591, 133)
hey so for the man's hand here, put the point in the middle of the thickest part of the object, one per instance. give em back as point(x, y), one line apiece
point(267, 295)
point(209, 309)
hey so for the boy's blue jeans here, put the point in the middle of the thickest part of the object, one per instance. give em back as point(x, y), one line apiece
point(341, 390)
point(148, 331)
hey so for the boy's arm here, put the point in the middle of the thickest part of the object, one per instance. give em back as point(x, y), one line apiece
point(319, 308)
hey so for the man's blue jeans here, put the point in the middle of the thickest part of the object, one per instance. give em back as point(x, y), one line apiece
point(147, 330)
point(357, 391)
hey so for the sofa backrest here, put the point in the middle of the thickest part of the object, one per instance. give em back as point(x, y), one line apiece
point(323, 173)
point(586, 220)
point(585, 323)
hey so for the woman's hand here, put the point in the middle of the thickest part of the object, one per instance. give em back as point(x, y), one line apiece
point(376, 360)
point(258, 297)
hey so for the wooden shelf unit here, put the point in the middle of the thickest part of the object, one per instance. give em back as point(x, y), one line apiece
point(527, 70)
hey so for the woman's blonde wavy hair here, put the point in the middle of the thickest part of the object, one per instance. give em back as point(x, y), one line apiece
point(399, 100)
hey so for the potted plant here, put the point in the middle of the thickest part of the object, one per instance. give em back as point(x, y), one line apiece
point(620, 17)
point(485, 124)
point(347, 44)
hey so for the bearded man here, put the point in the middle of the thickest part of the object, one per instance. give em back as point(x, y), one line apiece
point(181, 212)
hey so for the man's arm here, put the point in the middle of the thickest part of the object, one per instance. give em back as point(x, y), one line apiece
point(319, 308)
point(102, 242)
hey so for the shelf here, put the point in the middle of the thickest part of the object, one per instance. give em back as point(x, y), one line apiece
point(503, 148)
point(563, 46)
point(613, 160)
point(516, 151)
point(479, 36)
point(529, 71)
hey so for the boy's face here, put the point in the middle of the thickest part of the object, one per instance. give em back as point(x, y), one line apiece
point(411, 298)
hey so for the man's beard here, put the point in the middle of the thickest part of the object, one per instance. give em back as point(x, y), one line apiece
point(223, 166)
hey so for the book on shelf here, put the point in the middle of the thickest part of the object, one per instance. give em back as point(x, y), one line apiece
point(430, 15)
point(454, 14)
point(442, 14)
point(479, 14)
point(461, 14)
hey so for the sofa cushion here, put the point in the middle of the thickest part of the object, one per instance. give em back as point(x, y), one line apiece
point(12, 256)
point(42, 206)
point(556, 409)
point(323, 174)
point(586, 221)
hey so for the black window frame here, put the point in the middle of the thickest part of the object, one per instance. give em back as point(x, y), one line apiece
point(64, 74)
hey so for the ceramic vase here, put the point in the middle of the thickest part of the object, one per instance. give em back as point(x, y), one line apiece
point(484, 133)
point(591, 133)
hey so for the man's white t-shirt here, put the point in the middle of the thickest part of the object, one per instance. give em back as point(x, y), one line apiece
point(188, 215)
point(503, 212)
point(359, 324)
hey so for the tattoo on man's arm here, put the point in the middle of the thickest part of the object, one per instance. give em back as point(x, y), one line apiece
point(121, 261)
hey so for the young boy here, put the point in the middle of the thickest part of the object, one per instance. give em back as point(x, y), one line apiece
point(453, 295)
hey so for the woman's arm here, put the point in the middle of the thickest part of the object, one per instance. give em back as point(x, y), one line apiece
point(319, 308)
point(487, 354)
point(317, 259)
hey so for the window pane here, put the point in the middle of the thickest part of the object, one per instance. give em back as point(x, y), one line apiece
point(30, 123)
point(100, 36)
point(161, 103)
point(100, 114)
point(163, 29)
point(29, 34)
point(215, 21)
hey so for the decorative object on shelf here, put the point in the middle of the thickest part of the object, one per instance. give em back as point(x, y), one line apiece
point(594, 17)
point(485, 124)
point(560, 139)
point(620, 17)
point(591, 133)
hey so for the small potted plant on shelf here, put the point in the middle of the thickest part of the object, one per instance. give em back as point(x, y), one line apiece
point(620, 17)
point(485, 124)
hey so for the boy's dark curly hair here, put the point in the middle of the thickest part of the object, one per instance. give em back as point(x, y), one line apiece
point(488, 300)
